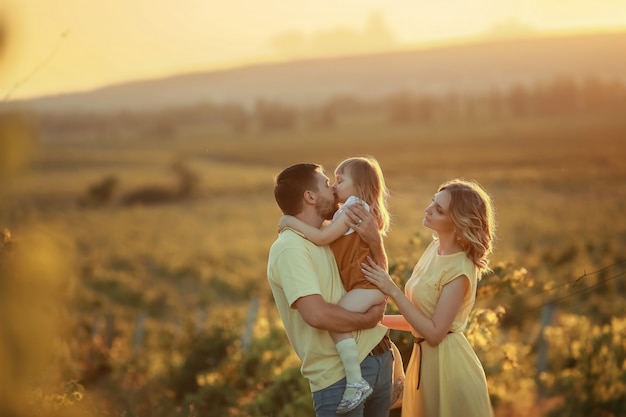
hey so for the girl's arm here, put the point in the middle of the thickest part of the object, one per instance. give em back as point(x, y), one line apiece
point(434, 328)
point(320, 237)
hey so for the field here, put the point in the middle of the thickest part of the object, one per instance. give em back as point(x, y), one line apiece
point(165, 267)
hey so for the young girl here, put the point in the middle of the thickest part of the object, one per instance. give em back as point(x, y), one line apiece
point(358, 180)
point(446, 376)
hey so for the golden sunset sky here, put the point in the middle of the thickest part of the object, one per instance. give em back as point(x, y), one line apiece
point(54, 46)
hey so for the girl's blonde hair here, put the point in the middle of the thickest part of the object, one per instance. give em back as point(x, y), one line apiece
point(370, 185)
point(473, 216)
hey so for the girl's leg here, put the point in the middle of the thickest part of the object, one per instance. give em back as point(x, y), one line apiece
point(357, 389)
point(361, 299)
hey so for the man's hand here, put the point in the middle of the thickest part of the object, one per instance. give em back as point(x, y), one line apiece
point(364, 223)
point(377, 311)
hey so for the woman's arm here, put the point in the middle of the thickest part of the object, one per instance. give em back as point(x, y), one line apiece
point(320, 237)
point(396, 322)
point(434, 328)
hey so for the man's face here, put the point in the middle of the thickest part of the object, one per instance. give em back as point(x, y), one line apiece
point(327, 203)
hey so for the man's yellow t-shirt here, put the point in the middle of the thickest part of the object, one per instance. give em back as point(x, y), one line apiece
point(297, 268)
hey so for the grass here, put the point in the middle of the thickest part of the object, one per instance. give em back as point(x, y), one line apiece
point(546, 177)
point(559, 186)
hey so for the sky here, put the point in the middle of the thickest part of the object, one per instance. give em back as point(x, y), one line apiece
point(56, 46)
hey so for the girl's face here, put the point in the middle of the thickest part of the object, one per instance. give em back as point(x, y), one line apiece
point(344, 186)
point(437, 215)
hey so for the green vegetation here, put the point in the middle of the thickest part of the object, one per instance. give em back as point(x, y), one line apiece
point(158, 305)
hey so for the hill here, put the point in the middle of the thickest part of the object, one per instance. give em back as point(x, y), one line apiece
point(463, 68)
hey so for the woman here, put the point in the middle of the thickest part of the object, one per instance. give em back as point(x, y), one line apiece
point(444, 376)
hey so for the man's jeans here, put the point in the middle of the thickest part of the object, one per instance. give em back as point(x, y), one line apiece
point(377, 371)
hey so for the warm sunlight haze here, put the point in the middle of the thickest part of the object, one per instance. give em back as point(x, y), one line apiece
point(73, 45)
point(140, 143)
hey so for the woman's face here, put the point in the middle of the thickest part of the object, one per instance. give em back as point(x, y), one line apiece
point(344, 186)
point(437, 215)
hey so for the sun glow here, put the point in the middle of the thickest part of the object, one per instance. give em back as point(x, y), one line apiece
point(73, 45)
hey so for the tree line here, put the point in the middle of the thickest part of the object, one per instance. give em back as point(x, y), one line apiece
point(562, 95)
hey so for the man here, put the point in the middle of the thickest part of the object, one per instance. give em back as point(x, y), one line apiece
point(306, 286)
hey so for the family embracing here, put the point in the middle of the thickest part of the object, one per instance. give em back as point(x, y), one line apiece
point(328, 274)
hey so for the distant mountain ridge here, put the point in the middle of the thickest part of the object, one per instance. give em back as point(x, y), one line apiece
point(463, 68)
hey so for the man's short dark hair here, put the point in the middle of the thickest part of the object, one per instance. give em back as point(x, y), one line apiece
point(290, 185)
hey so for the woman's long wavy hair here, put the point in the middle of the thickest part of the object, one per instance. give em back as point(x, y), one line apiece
point(472, 213)
point(370, 184)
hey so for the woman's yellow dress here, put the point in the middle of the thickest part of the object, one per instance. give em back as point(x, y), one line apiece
point(452, 381)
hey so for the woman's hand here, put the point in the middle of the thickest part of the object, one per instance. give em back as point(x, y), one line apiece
point(379, 277)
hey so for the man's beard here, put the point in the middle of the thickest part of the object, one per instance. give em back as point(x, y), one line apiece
point(327, 208)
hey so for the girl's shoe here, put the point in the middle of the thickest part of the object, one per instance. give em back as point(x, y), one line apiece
point(363, 390)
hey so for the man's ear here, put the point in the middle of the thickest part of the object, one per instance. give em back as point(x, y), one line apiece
point(309, 197)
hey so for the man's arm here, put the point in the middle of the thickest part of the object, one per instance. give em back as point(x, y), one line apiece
point(364, 223)
point(332, 317)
